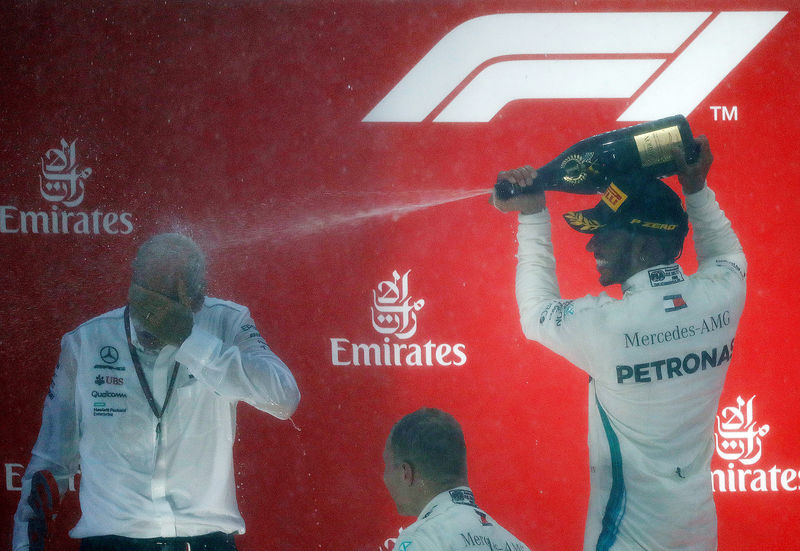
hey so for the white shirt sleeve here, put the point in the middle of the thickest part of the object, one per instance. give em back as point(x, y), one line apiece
point(56, 448)
point(563, 326)
point(247, 370)
point(714, 239)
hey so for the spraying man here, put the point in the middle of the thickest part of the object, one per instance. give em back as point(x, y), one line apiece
point(143, 400)
point(657, 358)
point(425, 471)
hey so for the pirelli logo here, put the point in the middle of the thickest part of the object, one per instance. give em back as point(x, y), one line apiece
point(614, 197)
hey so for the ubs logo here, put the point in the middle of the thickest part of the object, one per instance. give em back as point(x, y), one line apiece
point(100, 380)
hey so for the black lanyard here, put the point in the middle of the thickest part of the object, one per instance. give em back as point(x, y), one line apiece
point(143, 380)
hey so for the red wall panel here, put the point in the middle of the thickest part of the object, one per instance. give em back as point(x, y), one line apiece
point(242, 124)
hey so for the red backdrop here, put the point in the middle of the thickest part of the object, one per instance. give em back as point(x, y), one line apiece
point(243, 125)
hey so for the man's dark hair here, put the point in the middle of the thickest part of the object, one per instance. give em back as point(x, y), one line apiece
point(673, 246)
point(431, 441)
point(668, 207)
point(670, 244)
point(653, 201)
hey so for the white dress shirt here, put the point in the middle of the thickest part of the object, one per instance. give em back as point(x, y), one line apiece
point(139, 479)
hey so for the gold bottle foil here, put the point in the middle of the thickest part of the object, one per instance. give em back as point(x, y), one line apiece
point(656, 147)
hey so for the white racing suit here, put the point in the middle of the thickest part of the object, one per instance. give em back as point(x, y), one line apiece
point(139, 479)
point(657, 360)
point(452, 522)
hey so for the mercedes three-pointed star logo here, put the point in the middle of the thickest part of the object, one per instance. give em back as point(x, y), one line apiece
point(109, 354)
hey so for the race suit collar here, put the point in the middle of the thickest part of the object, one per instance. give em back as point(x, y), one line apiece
point(460, 495)
point(655, 276)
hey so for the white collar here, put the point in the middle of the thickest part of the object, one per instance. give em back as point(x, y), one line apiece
point(660, 275)
point(460, 495)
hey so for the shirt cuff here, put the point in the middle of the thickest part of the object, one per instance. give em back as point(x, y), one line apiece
point(700, 198)
point(535, 218)
point(197, 353)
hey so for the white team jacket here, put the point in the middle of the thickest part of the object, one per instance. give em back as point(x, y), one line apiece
point(657, 360)
point(452, 522)
point(96, 417)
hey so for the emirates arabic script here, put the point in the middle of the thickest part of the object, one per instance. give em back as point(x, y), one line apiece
point(738, 436)
point(393, 311)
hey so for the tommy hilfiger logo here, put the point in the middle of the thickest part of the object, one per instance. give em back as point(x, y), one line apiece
point(482, 515)
point(673, 303)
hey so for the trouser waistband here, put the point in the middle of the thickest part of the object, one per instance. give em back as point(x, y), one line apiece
point(216, 541)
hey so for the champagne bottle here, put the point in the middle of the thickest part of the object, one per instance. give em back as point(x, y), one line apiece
point(585, 167)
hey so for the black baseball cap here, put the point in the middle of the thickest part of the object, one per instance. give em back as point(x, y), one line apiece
point(634, 203)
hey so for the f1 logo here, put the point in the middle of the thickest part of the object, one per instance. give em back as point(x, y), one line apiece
point(678, 57)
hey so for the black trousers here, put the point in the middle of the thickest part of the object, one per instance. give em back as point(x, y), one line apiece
point(216, 541)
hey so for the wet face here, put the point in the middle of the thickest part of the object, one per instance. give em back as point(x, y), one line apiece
point(146, 339)
point(394, 480)
point(613, 253)
point(196, 296)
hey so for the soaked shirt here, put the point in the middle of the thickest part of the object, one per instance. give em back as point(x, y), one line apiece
point(657, 361)
point(141, 478)
point(453, 522)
